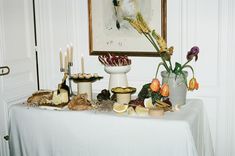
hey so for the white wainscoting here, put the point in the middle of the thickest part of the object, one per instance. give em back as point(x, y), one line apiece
point(206, 23)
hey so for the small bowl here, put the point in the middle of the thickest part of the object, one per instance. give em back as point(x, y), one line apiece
point(123, 94)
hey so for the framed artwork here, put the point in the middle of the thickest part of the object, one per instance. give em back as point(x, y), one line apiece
point(109, 33)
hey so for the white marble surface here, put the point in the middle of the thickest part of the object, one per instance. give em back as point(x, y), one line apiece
point(41, 132)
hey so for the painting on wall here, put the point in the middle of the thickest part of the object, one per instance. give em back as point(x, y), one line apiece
point(110, 33)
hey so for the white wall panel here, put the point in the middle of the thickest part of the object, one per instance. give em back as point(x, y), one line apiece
point(207, 37)
point(232, 47)
point(52, 35)
point(18, 51)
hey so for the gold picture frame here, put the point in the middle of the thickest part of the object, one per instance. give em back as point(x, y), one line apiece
point(105, 37)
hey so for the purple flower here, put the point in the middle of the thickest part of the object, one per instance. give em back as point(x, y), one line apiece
point(193, 53)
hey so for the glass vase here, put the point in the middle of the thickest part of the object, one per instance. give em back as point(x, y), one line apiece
point(177, 87)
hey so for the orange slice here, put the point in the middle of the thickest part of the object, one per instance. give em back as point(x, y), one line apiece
point(119, 108)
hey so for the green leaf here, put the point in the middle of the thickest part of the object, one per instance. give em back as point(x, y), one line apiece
point(146, 85)
point(155, 96)
point(177, 68)
point(145, 92)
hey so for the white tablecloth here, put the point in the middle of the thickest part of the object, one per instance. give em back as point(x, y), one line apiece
point(38, 132)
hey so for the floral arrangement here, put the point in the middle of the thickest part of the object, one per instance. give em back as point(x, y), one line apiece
point(154, 89)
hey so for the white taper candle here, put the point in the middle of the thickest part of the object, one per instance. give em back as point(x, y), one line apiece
point(61, 59)
point(66, 62)
point(71, 53)
point(68, 52)
point(82, 63)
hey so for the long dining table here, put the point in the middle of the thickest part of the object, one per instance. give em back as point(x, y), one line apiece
point(35, 131)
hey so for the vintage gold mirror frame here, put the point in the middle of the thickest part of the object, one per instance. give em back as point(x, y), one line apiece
point(105, 37)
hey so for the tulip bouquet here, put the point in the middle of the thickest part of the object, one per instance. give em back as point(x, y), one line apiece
point(154, 89)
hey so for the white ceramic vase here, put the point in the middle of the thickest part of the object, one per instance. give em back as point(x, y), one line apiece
point(85, 87)
point(118, 77)
point(177, 87)
point(123, 98)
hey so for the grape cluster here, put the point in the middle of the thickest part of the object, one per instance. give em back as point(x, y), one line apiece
point(103, 95)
